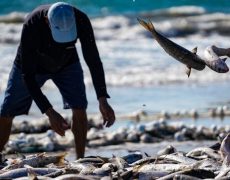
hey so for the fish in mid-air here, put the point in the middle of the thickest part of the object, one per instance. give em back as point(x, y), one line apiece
point(189, 58)
point(213, 60)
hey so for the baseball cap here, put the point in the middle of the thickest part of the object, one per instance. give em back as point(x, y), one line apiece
point(62, 22)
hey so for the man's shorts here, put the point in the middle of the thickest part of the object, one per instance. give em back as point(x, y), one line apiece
point(69, 81)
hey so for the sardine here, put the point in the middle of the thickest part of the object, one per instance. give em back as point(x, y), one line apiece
point(184, 177)
point(165, 167)
point(178, 158)
point(119, 162)
point(196, 173)
point(213, 61)
point(96, 161)
point(221, 51)
point(209, 165)
point(131, 158)
point(189, 58)
point(225, 149)
point(223, 172)
point(102, 171)
point(77, 176)
point(81, 168)
point(152, 174)
point(167, 150)
point(144, 161)
point(37, 177)
point(39, 160)
point(200, 151)
point(20, 172)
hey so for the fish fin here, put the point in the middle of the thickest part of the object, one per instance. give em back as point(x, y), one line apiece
point(138, 167)
point(61, 158)
point(27, 166)
point(188, 71)
point(147, 25)
point(41, 154)
point(31, 174)
point(147, 155)
point(104, 159)
point(194, 50)
point(224, 59)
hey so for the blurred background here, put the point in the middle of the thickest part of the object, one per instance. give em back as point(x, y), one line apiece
point(140, 76)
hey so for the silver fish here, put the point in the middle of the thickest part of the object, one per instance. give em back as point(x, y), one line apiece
point(213, 61)
point(77, 176)
point(189, 58)
point(209, 165)
point(39, 160)
point(225, 149)
point(184, 177)
point(223, 172)
point(37, 177)
point(196, 173)
point(119, 162)
point(102, 171)
point(225, 146)
point(165, 167)
point(95, 161)
point(21, 172)
point(82, 168)
point(144, 161)
point(178, 158)
point(167, 150)
point(131, 158)
point(151, 174)
point(200, 151)
point(221, 51)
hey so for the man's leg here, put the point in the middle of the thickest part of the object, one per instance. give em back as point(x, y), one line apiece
point(5, 129)
point(17, 101)
point(79, 129)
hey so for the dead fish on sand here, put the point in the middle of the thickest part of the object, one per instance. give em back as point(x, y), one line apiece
point(203, 152)
point(39, 160)
point(21, 172)
point(189, 58)
point(225, 149)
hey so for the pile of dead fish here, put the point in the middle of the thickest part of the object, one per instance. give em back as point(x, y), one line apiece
point(31, 143)
point(155, 131)
point(150, 132)
point(37, 136)
point(42, 125)
point(200, 163)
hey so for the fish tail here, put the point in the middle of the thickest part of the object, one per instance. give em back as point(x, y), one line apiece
point(30, 172)
point(147, 25)
point(61, 158)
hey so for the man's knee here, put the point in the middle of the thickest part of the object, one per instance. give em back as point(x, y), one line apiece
point(6, 120)
point(79, 120)
point(79, 113)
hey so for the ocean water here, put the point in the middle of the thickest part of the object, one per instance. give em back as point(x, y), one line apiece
point(139, 74)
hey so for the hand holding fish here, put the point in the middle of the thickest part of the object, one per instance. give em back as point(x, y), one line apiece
point(57, 122)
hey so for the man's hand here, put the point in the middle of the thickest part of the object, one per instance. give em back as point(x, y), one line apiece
point(57, 122)
point(106, 111)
